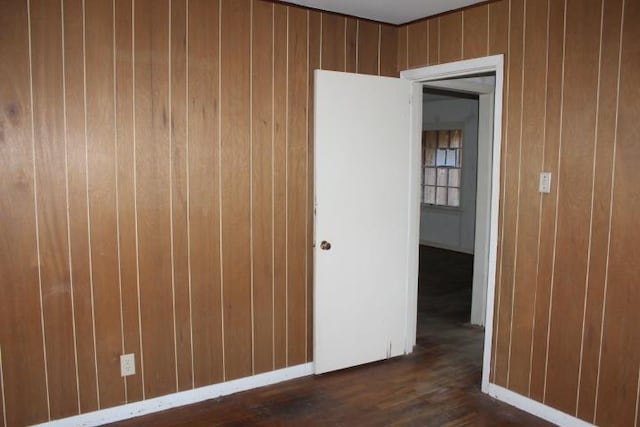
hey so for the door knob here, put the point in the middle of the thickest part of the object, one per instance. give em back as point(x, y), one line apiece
point(325, 246)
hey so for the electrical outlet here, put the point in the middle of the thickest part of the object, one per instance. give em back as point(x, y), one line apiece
point(127, 364)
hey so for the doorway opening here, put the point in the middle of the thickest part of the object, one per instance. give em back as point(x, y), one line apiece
point(449, 163)
point(480, 79)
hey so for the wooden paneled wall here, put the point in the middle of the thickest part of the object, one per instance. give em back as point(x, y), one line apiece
point(156, 179)
point(568, 283)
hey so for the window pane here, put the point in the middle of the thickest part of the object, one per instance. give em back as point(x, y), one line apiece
point(456, 139)
point(443, 139)
point(454, 197)
point(442, 176)
point(454, 177)
point(441, 196)
point(452, 158)
point(429, 195)
point(441, 157)
point(430, 176)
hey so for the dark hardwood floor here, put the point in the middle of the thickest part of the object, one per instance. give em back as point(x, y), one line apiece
point(437, 385)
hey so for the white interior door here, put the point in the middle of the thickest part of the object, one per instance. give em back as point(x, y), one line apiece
point(364, 161)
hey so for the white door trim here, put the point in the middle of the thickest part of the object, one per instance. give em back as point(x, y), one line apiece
point(492, 64)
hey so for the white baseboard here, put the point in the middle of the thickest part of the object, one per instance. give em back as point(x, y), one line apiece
point(182, 398)
point(536, 408)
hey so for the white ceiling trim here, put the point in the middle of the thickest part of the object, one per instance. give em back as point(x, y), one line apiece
point(389, 11)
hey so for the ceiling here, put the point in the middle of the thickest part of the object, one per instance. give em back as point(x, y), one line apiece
point(390, 11)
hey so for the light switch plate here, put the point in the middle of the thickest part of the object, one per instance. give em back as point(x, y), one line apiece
point(545, 182)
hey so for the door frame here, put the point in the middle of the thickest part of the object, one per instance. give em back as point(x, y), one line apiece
point(488, 64)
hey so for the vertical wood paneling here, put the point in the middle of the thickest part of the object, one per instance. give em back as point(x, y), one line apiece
point(2, 408)
point(433, 41)
point(151, 153)
point(333, 43)
point(152, 166)
point(51, 215)
point(203, 164)
point(601, 203)
point(101, 166)
point(549, 201)
point(281, 22)
point(475, 22)
point(20, 325)
point(617, 394)
point(582, 244)
point(236, 181)
point(126, 192)
point(531, 160)
point(573, 216)
point(296, 186)
point(402, 48)
point(511, 155)
point(368, 48)
point(498, 43)
point(135, 186)
point(450, 37)
point(262, 191)
point(77, 203)
point(388, 51)
point(417, 44)
point(180, 193)
point(351, 45)
point(314, 64)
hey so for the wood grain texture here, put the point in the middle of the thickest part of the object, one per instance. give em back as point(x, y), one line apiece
point(531, 161)
point(128, 172)
point(575, 189)
point(433, 41)
point(262, 189)
point(511, 155)
point(50, 182)
point(280, 49)
point(417, 44)
point(180, 194)
point(236, 182)
point(549, 203)
point(126, 191)
point(333, 42)
point(450, 37)
point(403, 50)
point(21, 334)
point(475, 31)
point(388, 51)
point(560, 271)
point(77, 204)
point(498, 43)
point(314, 64)
point(204, 190)
point(601, 203)
point(617, 399)
point(351, 34)
point(152, 132)
point(296, 186)
point(368, 48)
point(101, 166)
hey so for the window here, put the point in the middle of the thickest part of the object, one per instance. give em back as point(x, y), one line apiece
point(441, 167)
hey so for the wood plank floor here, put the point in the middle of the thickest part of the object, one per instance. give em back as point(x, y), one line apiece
point(437, 385)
